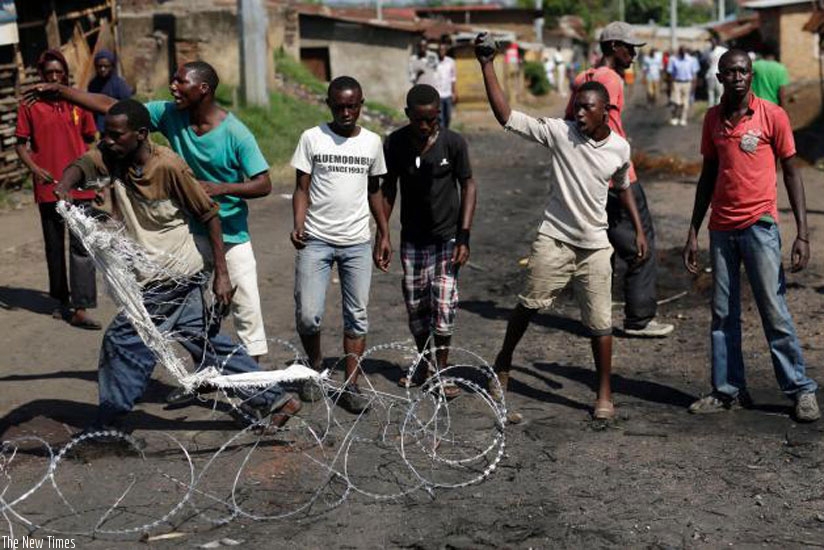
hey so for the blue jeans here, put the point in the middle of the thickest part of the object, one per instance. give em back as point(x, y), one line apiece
point(126, 363)
point(446, 111)
point(313, 266)
point(759, 248)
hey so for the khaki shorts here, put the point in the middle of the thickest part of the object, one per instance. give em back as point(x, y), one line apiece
point(554, 264)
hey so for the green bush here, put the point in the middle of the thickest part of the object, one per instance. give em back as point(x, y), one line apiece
point(536, 75)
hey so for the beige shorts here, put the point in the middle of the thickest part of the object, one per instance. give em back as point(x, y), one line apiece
point(554, 264)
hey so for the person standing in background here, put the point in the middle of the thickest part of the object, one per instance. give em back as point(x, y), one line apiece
point(447, 78)
point(770, 78)
point(50, 135)
point(714, 88)
point(107, 82)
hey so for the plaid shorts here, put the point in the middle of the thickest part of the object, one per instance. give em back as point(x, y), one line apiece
point(430, 287)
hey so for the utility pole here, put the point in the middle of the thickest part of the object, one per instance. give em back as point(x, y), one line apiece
point(722, 10)
point(253, 23)
point(379, 8)
point(673, 25)
point(622, 11)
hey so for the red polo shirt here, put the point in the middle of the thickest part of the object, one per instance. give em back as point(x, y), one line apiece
point(56, 132)
point(746, 186)
point(614, 84)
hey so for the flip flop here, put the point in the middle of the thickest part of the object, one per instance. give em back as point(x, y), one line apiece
point(604, 410)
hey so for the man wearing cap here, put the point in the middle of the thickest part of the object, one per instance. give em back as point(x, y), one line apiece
point(618, 44)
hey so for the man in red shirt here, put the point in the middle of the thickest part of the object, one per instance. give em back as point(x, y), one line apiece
point(618, 45)
point(742, 138)
point(50, 135)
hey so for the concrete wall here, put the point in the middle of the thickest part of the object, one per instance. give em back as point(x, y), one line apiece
point(208, 35)
point(376, 57)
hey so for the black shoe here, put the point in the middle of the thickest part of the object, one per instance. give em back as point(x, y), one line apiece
point(179, 397)
point(353, 400)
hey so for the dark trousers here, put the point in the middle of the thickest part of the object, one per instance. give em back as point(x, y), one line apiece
point(81, 267)
point(639, 280)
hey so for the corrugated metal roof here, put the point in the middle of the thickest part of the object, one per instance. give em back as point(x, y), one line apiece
point(763, 4)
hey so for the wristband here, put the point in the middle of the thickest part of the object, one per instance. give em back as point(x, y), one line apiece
point(802, 240)
point(462, 238)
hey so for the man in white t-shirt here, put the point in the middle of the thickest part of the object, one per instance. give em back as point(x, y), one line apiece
point(423, 64)
point(338, 165)
point(446, 84)
point(572, 245)
point(714, 88)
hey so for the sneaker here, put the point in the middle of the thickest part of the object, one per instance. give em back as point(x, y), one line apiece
point(806, 408)
point(653, 329)
point(353, 400)
point(718, 402)
point(683, 123)
point(673, 122)
point(310, 392)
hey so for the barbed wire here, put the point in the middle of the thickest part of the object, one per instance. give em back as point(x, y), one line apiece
point(413, 441)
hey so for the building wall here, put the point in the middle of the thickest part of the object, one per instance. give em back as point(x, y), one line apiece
point(210, 35)
point(376, 57)
point(798, 48)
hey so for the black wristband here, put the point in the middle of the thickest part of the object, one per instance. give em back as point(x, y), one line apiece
point(462, 238)
point(803, 240)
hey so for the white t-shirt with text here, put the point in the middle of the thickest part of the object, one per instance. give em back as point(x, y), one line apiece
point(580, 173)
point(340, 167)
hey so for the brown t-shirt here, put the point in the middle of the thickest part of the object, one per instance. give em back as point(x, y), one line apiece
point(155, 205)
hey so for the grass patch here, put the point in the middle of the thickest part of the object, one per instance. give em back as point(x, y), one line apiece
point(294, 70)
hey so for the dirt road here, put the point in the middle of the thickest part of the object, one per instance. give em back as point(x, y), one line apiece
point(656, 478)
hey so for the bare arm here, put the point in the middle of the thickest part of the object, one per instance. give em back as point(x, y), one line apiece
point(22, 150)
point(469, 194)
point(782, 96)
point(382, 253)
point(259, 186)
point(389, 193)
point(641, 246)
point(494, 92)
point(72, 177)
point(222, 285)
point(703, 195)
point(798, 202)
point(300, 204)
point(96, 103)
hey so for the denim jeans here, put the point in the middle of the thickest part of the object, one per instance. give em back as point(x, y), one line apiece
point(313, 265)
point(126, 363)
point(758, 247)
point(446, 111)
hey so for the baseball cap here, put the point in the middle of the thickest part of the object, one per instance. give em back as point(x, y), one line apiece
point(619, 31)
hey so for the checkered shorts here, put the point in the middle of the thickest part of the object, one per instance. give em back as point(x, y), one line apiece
point(430, 287)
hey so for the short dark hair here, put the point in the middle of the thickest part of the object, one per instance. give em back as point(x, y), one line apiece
point(769, 49)
point(136, 113)
point(729, 54)
point(343, 83)
point(597, 87)
point(204, 72)
point(422, 94)
point(607, 47)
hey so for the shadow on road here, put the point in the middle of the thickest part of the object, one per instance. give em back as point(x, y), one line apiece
point(489, 309)
point(36, 301)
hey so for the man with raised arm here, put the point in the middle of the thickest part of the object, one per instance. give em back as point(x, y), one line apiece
point(572, 245)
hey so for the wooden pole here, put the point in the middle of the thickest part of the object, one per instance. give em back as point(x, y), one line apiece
point(52, 28)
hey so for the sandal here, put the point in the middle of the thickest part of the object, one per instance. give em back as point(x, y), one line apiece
point(418, 378)
point(604, 410)
point(86, 323)
point(449, 389)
